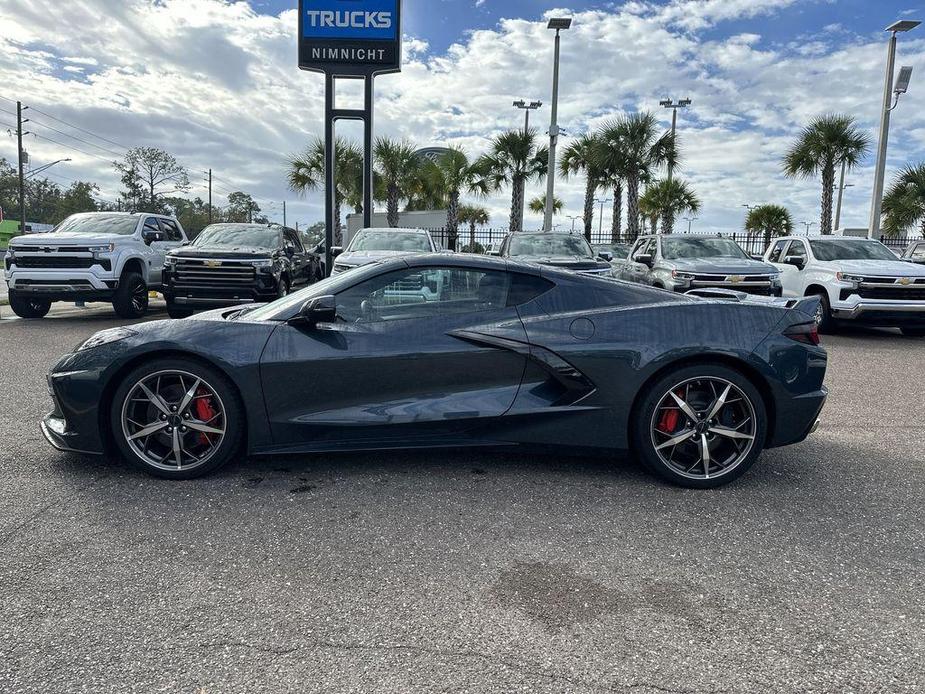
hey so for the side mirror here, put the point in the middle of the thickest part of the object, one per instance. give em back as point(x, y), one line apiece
point(645, 260)
point(149, 236)
point(606, 255)
point(797, 261)
point(290, 250)
point(321, 309)
point(336, 251)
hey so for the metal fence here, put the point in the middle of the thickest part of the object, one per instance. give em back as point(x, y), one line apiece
point(483, 237)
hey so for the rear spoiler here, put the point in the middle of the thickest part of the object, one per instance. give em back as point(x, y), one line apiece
point(806, 305)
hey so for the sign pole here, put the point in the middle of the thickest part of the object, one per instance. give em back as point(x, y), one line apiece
point(330, 157)
point(369, 91)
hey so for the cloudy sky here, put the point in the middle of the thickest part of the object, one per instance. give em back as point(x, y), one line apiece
point(215, 82)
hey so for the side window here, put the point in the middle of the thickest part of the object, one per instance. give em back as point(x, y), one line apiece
point(293, 238)
point(918, 253)
point(152, 225)
point(171, 230)
point(797, 250)
point(525, 288)
point(644, 247)
point(775, 256)
point(423, 292)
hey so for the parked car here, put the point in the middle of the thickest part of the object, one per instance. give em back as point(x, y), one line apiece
point(94, 256)
point(857, 280)
point(506, 353)
point(682, 263)
point(230, 264)
point(915, 252)
point(566, 251)
point(374, 244)
point(493, 248)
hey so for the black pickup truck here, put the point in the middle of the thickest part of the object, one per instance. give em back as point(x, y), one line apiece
point(231, 264)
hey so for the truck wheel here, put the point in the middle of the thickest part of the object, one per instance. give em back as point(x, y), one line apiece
point(131, 298)
point(823, 315)
point(27, 307)
point(282, 288)
point(175, 311)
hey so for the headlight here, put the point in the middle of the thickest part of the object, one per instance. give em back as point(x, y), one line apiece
point(340, 267)
point(170, 260)
point(104, 337)
point(775, 277)
point(266, 262)
point(107, 248)
point(685, 276)
point(843, 277)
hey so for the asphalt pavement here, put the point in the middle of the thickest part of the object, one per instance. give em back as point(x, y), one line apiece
point(465, 571)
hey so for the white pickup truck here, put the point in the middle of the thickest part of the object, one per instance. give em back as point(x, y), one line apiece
point(95, 256)
point(858, 280)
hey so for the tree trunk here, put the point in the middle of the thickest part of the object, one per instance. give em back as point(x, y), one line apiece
point(667, 223)
point(632, 207)
point(767, 237)
point(392, 205)
point(828, 181)
point(517, 204)
point(452, 219)
point(616, 223)
point(590, 189)
point(338, 230)
point(472, 236)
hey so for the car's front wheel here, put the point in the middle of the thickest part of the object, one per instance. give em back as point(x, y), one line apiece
point(700, 426)
point(28, 307)
point(177, 418)
point(131, 297)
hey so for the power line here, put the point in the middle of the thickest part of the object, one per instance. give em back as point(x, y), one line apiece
point(74, 137)
point(77, 127)
point(76, 149)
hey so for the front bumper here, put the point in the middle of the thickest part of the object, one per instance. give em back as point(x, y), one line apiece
point(61, 285)
point(881, 313)
point(54, 429)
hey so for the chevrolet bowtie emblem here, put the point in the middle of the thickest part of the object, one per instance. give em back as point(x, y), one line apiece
point(213, 263)
point(905, 281)
point(735, 279)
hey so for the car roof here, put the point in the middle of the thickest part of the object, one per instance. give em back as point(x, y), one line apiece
point(395, 230)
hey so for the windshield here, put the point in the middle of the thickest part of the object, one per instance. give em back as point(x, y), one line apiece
point(548, 245)
point(334, 284)
point(238, 236)
point(673, 249)
point(851, 249)
point(121, 224)
point(389, 241)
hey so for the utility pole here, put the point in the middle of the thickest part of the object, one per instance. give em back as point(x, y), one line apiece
point(210, 196)
point(674, 106)
point(284, 213)
point(22, 178)
point(558, 24)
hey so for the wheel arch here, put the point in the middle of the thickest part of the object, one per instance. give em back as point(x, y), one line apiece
point(754, 376)
point(134, 264)
point(814, 289)
point(106, 397)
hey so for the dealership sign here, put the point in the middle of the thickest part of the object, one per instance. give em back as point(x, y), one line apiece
point(350, 37)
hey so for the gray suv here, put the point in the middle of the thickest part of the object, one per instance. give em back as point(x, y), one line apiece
point(682, 263)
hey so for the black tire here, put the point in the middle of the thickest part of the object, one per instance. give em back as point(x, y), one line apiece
point(824, 321)
point(235, 421)
point(282, 288)
point(913, 332)
point(642, 420)
point(175, 311)
point(131, 298)
point(28, 307)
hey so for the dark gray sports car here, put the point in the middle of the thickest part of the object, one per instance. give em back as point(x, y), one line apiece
point(448, 351)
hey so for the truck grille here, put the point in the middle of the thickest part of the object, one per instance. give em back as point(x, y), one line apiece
point(913, 293)
point(213, 272)
point(58, 262)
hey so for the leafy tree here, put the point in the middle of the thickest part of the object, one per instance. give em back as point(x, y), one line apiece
point(633, 146)
point(306, 172)
point(42, 199)
point(538, 204)
point(149, 174)
point(580, 156)
point(824, 145)
point(514, 160)
point(769, 220)
point(9, 190)
point(474, 216)
point(399, 170)
point(904, 202)
point(243, 208)
point(193, 214)
point(665, 200)
point(454, 173)
point(78, 198)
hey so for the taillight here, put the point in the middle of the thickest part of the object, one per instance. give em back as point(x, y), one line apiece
point(807, 333)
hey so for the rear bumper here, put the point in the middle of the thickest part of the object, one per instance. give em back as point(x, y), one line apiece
point(797, 418)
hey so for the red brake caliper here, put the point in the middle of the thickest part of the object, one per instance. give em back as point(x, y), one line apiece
point(669, 419)
point(204, 412)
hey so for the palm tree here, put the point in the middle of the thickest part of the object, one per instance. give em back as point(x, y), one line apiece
point(904, 203)
point(306, 172)
point(538, 204)
point(824, 145)
point(398, 169)
point(769, 220)
point(648, 211)
point(665, 200)
point(580, 156)
point(452, 173)
point(474, 216)
point(514, 160)
point(631, 145)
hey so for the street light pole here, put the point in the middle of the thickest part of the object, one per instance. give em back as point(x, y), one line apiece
point(674, 106)
point(600, 217)
point(841, 191)
point(808, 225)
point(558, 24)
point(36, 172)
point(873, 229)
point(574, 218)
point(690, 221)
point(532, 106)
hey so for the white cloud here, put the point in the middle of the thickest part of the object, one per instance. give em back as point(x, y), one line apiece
point(216, 84)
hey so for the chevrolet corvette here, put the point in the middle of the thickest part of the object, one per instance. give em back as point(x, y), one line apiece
point(448, 351)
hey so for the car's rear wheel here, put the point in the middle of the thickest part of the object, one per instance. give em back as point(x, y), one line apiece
point(131, 298)
point(700, 426)
point(28, 307)
point(177, 418)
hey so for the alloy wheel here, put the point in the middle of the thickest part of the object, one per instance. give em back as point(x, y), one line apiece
point(140, 297)
point(173, 420)
point(704, 427)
